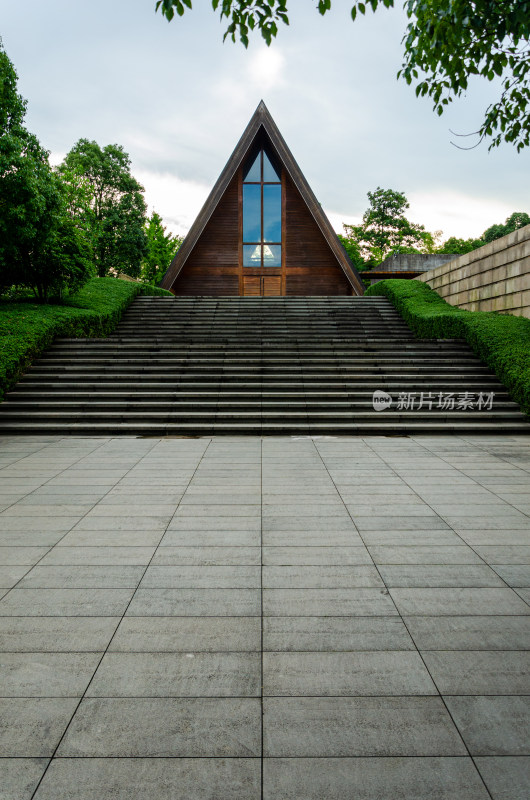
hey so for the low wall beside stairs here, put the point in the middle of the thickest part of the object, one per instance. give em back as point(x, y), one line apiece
point(495, 277)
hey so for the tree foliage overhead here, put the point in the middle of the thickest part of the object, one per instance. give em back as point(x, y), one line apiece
point(108, 202)
point(446, 43)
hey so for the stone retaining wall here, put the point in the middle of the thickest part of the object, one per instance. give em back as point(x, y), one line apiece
point(495, 277)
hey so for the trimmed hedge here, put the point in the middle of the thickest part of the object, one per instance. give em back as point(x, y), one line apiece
point(502, 341)
point(26, 329)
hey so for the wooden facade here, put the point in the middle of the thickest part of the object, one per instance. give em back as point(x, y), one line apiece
point(210, 261)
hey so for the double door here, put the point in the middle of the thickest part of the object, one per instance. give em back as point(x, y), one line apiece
point(262, 285)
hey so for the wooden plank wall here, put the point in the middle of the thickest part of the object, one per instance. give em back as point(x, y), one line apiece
point(213, 265)
point(311, 267)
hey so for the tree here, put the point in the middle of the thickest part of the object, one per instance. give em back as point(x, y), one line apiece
point(446, 41)
point(385, 229)
point(515, 221)
point(456, 246)
point(109, 203)
point(353, 252)
point(161, 249)
point(459, 246)
point(38, 249)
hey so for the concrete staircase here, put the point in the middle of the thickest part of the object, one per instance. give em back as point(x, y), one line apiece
point(259, 366)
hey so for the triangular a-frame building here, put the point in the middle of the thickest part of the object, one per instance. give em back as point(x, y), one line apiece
point(262, 231)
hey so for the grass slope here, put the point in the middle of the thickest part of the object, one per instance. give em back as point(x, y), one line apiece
point(502, 341)
point(26, 329)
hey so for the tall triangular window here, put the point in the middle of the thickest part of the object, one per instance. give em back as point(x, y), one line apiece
point(262, 213)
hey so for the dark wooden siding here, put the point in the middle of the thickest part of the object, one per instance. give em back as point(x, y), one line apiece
point(213, 265)
point(311, 267)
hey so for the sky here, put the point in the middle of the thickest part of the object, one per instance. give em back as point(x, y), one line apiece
point(178, 99)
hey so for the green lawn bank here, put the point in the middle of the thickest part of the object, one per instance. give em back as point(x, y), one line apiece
point(26, 329)
point(502, 341)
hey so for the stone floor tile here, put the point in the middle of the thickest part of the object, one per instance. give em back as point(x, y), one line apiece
point(31, 727)
point(21, 555)
point(470, 633)
point(490, 536)
point(82, 577)
point(291, 556)
point(420, 554)
point(191, 524)
point(516, 575)
point(504, 554)
point(29, 540)
point(145, 778)
point(11, 575)
point(377, 778)
point(439, 575)
point(403, 523)
point(134, 508)
point(335, 634)
point(273, 510)
point(164, 727)
point(410, 538)
point(361, 510)
point(56, 634)
point(320, 577)
point(98, 556)
point(65, 602)
point(92, 522)
point(492, 726)
point(196, 577)
point(27, 526)
point(358, 726)
point(177, 675)
point(20, 777)
point(507, 777)
point(326, 602)
point(457, 601)
point(195, 603)
point(111, 538)
point(311, 538)
point(46, 674)
point(321, 524)
point(187, 634)
point(479, 672)
point(56, 510)
point(524, 594)
point(211, 538)
point(355, 673)
point(167, 555)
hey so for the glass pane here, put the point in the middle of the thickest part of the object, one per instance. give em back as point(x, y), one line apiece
point(253, 173)
point(269, 173)
point(272, 255)
point(272, 213)
point(252, 255)
point(251, 213)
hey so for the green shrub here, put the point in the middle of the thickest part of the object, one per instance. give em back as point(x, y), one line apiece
point(502, 341)
point(26, 329)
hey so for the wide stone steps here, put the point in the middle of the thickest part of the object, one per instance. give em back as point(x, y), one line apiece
point(192, 366)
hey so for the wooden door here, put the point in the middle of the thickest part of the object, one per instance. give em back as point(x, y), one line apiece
point(262, 285)
point(251, 286)
point(271, 285)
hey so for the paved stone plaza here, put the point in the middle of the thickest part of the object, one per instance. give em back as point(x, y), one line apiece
point(286, 618)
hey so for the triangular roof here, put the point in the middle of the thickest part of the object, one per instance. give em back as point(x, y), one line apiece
point(262, 120)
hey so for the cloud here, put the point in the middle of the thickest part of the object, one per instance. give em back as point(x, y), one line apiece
point(266, 68)
point(455, 213)
point(178, 201)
